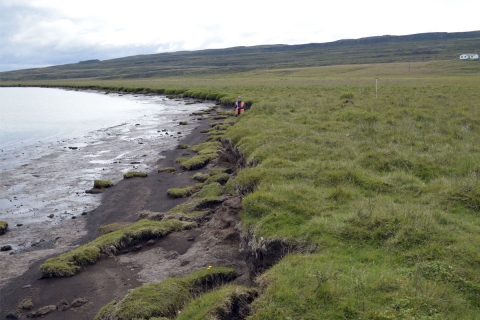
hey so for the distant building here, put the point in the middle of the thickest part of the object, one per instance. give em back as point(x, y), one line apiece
point(469, 56)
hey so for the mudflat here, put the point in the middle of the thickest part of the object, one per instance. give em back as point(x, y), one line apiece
point(214, 243)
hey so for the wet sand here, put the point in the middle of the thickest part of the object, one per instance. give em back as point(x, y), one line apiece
point(43, 185)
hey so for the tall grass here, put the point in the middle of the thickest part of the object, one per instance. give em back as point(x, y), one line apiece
point(387, 189)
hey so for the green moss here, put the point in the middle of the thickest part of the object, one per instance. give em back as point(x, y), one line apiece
point(100, 184)
point(167, 169)
point(182, 146)
point(183, 123)
point(167, 298)
point(132, 174)
point(3, 227)
point(69, 263)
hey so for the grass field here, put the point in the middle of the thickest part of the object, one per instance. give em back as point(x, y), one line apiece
point(384, 193)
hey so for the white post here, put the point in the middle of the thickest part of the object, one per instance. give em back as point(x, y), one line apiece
point(376, 88)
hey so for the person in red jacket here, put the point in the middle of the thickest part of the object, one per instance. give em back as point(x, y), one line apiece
point(239, 106)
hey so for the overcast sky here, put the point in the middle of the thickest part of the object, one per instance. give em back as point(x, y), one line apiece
point(38, 33)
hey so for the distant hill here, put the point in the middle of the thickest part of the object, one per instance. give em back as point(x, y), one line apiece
point(380, 49)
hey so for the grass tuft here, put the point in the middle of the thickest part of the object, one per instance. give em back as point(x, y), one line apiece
point(133, 174)
point(184, 192)
point(69, 263)
point(100, 184)
point(228, 302)
point(201, 177)
point(166, 298)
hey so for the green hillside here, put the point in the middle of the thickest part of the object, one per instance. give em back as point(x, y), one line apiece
point(383, 49)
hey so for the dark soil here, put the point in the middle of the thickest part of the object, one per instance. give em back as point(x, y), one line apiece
point(216, 242)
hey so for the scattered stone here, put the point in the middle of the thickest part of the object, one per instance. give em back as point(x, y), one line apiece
point(63, 305)
point(74, 217)
point(26, 286)
point(6, 248)
point(12, 316)
point(79, 302)
point(51, 216)
point(191, 239)
point(151, 242)
point(135, 162)
point(19, 224)
point(42, 311)
point(137, 248)
point(123, 252)
point(73, 148)
point(179, 132)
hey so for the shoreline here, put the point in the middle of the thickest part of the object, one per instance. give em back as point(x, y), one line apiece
point(44, 200)
point(172, 255)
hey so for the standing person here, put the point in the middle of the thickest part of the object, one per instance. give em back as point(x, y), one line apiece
point(239, 106)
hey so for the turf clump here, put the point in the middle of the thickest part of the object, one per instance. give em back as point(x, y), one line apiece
point(201, 177)
point(183, 192)
point(133, 174)
point(3, 227)
point(69, 263)
point(221, 178)
point(196, 162)
point(101, 184)
point(112, 227)
point(167, 169)
point(166, 298)
point(206, 152)
point(228, 302)
point(210, 190)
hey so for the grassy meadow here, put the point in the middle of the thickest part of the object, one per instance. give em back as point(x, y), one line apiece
point(382, 195)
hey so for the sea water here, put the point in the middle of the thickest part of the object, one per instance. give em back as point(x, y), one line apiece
point(30, 115)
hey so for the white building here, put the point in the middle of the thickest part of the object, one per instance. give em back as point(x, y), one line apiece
point(469, 56)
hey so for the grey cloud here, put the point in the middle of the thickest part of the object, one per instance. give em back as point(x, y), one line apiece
point(24, 46)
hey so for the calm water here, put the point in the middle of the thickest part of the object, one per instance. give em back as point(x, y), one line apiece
point(29, 115)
